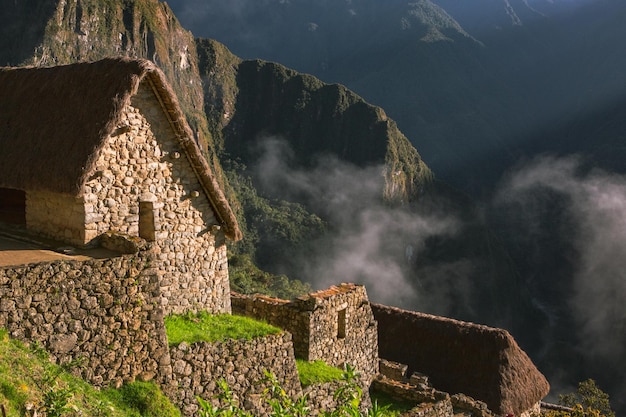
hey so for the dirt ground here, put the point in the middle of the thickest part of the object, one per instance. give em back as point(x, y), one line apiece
point(14, 251)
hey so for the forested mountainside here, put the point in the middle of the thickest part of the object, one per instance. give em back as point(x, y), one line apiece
point(326, 186)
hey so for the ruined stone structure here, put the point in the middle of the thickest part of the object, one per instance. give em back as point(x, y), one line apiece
point(460, 357)
point(335, 325)
point(394, 381)
point(103, 147)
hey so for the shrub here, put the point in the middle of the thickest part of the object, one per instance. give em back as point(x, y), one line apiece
point(588, 399)
point(148, 399)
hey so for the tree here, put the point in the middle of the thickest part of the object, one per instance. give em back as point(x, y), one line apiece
point(589, 397)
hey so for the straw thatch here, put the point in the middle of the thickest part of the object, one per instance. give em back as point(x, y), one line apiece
point(54, 121)
point(459, 357)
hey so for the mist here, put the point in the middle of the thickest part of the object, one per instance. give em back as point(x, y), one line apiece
point(571, 218)
point(370, 242)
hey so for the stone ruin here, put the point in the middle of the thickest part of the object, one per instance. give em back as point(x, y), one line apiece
point(334, 325)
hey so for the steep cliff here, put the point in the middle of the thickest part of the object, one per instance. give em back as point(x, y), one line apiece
point(249, 100)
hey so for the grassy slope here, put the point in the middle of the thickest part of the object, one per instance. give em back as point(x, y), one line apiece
point(28, 379)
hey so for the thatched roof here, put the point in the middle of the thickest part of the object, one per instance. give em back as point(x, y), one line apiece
point(460, 357)
point(54, 121)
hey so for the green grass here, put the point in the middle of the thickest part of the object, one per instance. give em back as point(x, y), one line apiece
point(28, 377)
point(317, 372)
point(203, 327)
point(392, 406)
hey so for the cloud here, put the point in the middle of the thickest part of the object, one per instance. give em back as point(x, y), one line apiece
point(371, 242)
point(585, 209)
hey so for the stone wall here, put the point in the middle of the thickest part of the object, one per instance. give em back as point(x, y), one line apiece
point(143, 185)
point(56, 215)
point(320, 397)
point(280, 313)
point(428, 402)
point(334, 325)
point(106, 312)
point(198, 367)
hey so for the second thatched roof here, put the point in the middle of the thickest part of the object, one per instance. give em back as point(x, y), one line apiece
point(460, 357)
point(55, 120)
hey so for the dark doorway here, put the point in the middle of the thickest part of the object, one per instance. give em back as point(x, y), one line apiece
point(12, 206)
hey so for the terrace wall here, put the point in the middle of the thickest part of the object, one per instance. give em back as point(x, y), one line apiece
point(198, 367)
point(105, 312)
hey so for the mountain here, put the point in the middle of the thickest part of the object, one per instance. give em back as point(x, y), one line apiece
point(326, 187)
point(470, 84)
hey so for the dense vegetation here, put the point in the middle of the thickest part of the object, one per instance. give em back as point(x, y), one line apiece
point(588, 401)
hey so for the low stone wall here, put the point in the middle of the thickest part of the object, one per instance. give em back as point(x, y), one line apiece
point(467, 405)
point(279, 313)
point(198, 367)
point(428, 402)
point(334, 325)
point(320, 397)
point(106, 312)
point(459, 357)
point(393, 370)
point(439, 409)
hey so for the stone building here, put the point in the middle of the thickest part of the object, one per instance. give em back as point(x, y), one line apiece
point(91, 150)
point(335, 325)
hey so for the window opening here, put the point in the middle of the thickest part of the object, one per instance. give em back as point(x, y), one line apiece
point(146, 221)
point(341, 324)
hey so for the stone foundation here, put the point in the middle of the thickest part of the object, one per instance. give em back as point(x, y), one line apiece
point(105, 312)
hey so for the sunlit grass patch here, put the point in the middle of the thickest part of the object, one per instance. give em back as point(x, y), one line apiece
point(204, 327)
point(317, 372)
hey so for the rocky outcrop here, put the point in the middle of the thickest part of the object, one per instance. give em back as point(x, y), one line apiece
point(459, 357)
